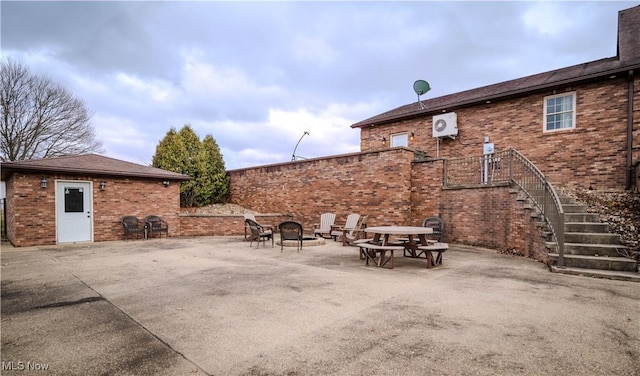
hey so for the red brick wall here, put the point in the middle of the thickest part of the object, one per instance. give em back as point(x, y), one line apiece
point(31, 209)
point(392, 190)
point(127, 196)
point(218, 225)
point(593, 154)
point(487, 217)
point(377, 184)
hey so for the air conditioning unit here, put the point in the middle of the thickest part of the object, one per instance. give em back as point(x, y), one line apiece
point(445, 125)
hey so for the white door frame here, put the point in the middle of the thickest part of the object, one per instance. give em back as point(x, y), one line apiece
point(74, 226)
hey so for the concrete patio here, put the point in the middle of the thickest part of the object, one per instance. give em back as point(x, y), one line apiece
point(215, 306)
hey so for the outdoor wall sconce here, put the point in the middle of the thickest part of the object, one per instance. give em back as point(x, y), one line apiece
point(102, 185)
point(43, 183)
point(411, 136)
point(165, 183)
point(384, 140)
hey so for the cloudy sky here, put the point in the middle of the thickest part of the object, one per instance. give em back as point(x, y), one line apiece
point(256, 75)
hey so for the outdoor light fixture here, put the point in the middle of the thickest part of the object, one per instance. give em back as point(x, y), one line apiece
point(412, 135)
point(43, 183)
point(102, 185)
point(294, 156)
point(384, 140)
point(165, 183)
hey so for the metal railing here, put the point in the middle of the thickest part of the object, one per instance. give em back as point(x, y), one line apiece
point(511, 167)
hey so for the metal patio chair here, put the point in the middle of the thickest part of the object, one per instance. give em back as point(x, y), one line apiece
point(156, 225)
point(291, 230)
point(258, 233)
point(437, 225)
point(132, 226)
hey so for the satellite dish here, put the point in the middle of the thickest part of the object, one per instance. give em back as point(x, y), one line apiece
point(421, 87)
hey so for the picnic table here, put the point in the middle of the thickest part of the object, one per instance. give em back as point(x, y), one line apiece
point(414, 244)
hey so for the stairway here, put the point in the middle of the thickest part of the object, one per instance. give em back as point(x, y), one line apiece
point(589, 248)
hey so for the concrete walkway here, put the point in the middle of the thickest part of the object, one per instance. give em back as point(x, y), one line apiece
point(215, 306)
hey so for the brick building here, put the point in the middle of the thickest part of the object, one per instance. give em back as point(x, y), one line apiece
point(82, 198)
point(580, 126)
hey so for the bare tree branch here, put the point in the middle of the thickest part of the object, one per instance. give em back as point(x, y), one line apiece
point(41, 119)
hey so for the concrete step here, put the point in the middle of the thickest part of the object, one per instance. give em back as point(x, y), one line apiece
point(595, 273)
point(591, 238)
point(621, 264)
point(574, 208)
point(592, 249)
point(596, 227)
point(543, 226)
point(536, 214)
point(581, 217)
point(567, 200)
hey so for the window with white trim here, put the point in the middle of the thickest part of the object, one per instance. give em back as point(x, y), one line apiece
point(399, 139)
point(560, 112)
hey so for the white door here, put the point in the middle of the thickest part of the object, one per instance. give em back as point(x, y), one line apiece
point(74, 211)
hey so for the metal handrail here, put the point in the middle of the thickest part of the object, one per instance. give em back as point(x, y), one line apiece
point(511, 167)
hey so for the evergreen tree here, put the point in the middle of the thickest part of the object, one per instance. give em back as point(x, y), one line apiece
point(216, 173)
point(183, 152)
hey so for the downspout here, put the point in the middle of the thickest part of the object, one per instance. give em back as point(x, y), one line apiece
point(629, 181)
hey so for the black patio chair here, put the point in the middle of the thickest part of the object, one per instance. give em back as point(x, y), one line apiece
point(437, 225)
point(156, 225)
point(132, 226)
point(291, 230)
point(258, 233)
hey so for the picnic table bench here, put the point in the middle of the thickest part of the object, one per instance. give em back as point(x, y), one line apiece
point(428, 250)
point(370, 252)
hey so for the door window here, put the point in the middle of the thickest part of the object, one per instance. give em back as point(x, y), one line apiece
point(73, 200)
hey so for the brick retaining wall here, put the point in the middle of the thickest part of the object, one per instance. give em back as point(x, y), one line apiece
point(374, 183)
point(223, 225)
point(393, 190)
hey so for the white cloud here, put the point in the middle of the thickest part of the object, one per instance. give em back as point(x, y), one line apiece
point(119, 133)
point(314, 49)
point(201, 78)
point(87, 85)
point(547, 18)
point(157, 90)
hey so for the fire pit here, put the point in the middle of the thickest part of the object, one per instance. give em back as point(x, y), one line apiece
point(307, 241)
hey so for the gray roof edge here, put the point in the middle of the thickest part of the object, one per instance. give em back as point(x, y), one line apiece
point(7, 171)
point(380, 119)
point(9, 168)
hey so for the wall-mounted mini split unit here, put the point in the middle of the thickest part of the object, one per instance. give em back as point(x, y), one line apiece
point(445, 125)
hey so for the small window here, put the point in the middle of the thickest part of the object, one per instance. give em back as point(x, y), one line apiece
point(400, 139)
point(560, 112)
point(73, 200)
